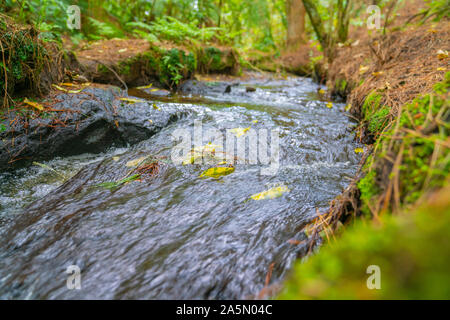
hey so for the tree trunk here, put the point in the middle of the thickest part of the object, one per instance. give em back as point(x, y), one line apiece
point(296, 24)
point(316, 22)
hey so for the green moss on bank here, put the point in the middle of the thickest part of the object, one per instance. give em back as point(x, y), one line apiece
point(412, 252)
point(409, 161)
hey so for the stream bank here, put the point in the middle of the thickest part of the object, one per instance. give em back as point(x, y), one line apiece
point(396, 85)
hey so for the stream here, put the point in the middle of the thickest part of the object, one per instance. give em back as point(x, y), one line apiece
point(178, 235)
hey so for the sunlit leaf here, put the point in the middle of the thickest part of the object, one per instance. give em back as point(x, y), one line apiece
point(217, 172)
point(359, 150)
point(363, 69)
point(442, 54)
point(34, 104)
point(130, 100)
point(239, 131)
point(145, 87)
point(329, 105)
point(135, 162)
point(65, 90)
point(271, 193)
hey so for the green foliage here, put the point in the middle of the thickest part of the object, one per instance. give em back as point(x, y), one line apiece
point(101, 30)
point(368, 189)
point(437, 9)
point(175, 66)
point(425, 161)
point(410, 250)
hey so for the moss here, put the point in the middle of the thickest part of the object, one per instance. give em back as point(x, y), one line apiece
point(368, 188)
point(410, 250)
point(24, 55)
point(371, 104)
point(378, 120)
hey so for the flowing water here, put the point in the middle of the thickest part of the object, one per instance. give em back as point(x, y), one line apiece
point(177, 235)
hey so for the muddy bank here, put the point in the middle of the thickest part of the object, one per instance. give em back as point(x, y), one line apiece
point(90, 121)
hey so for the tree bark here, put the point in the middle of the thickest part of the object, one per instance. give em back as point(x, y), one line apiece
point(316, 22)
point(296, 34)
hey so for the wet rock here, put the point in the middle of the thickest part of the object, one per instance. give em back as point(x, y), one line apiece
point(91, 121)
point(193, 87)
point(250, 89)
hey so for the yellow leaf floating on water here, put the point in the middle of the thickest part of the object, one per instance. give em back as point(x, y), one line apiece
point(271, 193)
point(329, 105)
point(130, 100)
point(239, 131)
point(217, 172)
point(154, 90)
point(442, 54)
point(156, 107)
point(255, 121)
point(359, 150)
point(145, 87)
point(348, 107)
point(33, 104)
point(321, 91)
point(116, 158)
point(135, 162)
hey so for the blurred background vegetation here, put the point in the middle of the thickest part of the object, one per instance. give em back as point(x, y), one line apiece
point(264, 25)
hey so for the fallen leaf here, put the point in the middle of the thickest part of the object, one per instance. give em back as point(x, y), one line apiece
point(122, 50)
point(329, 105)
point(239, 131)
point(145, 87)
point(442, 54)
point(377, 74)
point(271, 193)
point(321, 91)
point(65, 90)
point(217, 172)
point(255, 121)
point(135, 162)
point(33, 104)
point(156, 107)
point(363, 69)
point(348, 107)
point(130, 100)
point(359, 150)
point(441, 69)
point(116, 158)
